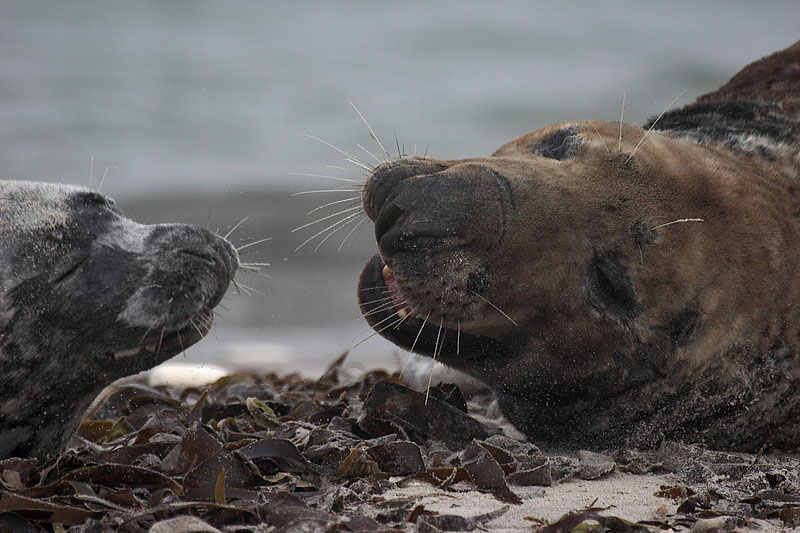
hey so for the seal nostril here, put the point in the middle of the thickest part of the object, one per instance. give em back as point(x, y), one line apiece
point(387, 218)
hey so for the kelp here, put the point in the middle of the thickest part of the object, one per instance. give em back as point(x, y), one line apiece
point(251, 452)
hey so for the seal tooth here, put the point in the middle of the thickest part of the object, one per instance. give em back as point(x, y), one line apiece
point(402, 313)
point(386, 273)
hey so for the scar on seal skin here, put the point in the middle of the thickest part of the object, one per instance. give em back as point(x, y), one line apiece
point(612, 291)
point(88, 296)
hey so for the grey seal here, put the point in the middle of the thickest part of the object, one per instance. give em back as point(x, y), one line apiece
point(614, 285)
point(88, 296)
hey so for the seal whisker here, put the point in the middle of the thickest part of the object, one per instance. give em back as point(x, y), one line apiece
point(383, 299)
point(160, 340)
point(621, 115)
point(251, 289)
point(424, 321)
point(326, 229)
point(653, 125)
point(363, 219)
point(378, 309)
point(236, 286)
point(599, 136)
point(103, 179)
point(679, 221)
point(327, 217)
point(497, 308)
point(180, 341)
point(344, 225)
point(370, 153)
point(141, 340)
point(336, 178)
point(348, 156)
point(319, 191)
point(234, 228)
point(248, 245)
point(458, 339)
point(397, 142)
point(194, 325)
point(393, 315)
point(435, 348)
point(411, 351)
point(371, 132)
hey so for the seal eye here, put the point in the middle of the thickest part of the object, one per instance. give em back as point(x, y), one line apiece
point(560, 145)
point(609, 287)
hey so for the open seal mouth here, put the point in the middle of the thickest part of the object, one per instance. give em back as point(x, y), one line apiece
point(387, 312)
point(400, 305)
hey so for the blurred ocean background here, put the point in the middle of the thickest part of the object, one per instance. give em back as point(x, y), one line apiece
point(197, 111)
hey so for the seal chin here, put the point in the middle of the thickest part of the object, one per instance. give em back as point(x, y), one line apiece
point(167, 343)
point(389, 313)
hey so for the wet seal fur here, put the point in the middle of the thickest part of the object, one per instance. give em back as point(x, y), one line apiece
point(613, 287)
point(88, 296)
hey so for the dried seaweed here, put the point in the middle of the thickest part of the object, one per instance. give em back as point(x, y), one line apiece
point(268, 452)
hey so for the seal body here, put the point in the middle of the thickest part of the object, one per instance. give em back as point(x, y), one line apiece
point(614, 285)
point(88, 296)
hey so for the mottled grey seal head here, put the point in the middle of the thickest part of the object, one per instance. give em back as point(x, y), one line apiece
point(88, 296)
point(613, 284)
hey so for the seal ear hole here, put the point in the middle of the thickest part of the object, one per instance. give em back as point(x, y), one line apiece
point(609, 287)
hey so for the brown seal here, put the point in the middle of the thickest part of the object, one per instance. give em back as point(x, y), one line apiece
point(613, 284)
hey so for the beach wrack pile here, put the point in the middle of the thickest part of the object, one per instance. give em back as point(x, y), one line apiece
point(367, 453)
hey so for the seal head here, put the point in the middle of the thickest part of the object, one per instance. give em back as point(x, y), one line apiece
point(613, 284)
point(88, 296)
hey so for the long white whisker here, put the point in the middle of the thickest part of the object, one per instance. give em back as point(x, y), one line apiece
point(372, 132)
point(318, 191)
point(599, 136)
point(326, 229)
point(350, 157)
point(414, 344)
point(323, 206)
point(235, 227)
point(381, 299)
point(621, 114)
point(327, 217)
point(653, 125)
point(103, 179)
point(458, 339)
point(393, 315)
point(359, 164)
point(378, 309)
point(498, 309)
point(411, 351)
point(363, 219)
point(346, 222)
point(679, 221)
point(430, 374)
point(337, 178)
point(248, 245)
point(251, 289)
point(370, 153)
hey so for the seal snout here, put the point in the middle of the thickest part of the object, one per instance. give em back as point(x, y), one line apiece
point(386, 176)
